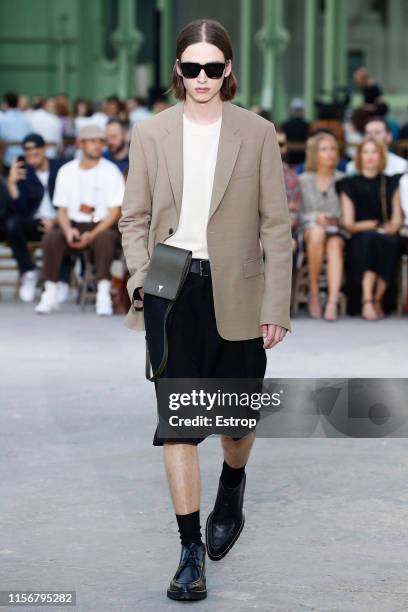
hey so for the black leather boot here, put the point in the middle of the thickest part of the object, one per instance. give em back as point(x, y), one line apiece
point(189, 580)
point(226, 521)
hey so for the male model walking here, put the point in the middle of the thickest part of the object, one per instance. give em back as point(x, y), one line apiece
point(206, 175)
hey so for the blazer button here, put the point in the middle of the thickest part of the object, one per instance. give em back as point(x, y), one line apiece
point(171, 230)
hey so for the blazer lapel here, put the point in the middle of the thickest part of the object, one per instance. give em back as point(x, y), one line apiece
point(173, 151)
point(228, 148)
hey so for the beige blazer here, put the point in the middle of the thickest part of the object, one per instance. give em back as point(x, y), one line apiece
point(248, 231)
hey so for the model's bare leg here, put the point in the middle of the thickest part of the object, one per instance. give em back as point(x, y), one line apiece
point(236, 452)
point(183, 475)
point(334, 251)
point(315, 240)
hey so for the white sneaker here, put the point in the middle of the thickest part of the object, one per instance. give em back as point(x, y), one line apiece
point(103, 299)
point(28, 284)
point(48, 301)
point(62, 292)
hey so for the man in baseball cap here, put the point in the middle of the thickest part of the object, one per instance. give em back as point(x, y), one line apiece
point(31, 183)
point(91, 132)
point(88, 194)
point(33, 141)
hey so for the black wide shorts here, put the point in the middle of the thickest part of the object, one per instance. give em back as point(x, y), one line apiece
point(195, 348)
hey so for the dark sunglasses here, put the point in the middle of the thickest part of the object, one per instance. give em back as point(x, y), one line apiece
point(191, 70)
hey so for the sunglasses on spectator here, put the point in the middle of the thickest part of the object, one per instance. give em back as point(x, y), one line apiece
point(191, 70)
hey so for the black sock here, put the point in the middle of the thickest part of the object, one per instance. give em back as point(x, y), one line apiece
point(231, 477)
point(189, 528)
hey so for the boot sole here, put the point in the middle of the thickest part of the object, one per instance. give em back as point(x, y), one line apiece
point(187, 595)
point(231, 544)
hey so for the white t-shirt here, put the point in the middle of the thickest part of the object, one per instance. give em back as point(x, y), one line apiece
point(200, 148)
point(102, 187)
point(395, 165)
point(45, 209)
point(403, 187)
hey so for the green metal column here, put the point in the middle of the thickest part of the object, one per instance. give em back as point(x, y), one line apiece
point(245, 89)
point(329, 47)
point(273, 40)
point(341, 43)
point(309, 66)
point(127, 39)
point(62, 42)
point(167, 53)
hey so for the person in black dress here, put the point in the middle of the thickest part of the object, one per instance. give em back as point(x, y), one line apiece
point(371, 212)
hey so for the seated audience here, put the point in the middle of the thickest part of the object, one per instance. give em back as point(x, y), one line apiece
point(139, 112)
point(370, 90)
point(371, 212)
point(14, 125)
point(31, 183)
point(320, 216)
point(293, 194)
point(296, 129)
point(45, 122)
point(403, 188)
point(4, 207)
point(117, 145)
point(341, 164)
point(88, 193)
point(377, 128)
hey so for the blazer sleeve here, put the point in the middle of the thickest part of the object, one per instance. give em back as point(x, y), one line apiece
point(134, 222)
point(275, 236)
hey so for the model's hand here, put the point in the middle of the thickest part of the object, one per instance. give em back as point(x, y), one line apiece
point(141, 292)
point(272, 334)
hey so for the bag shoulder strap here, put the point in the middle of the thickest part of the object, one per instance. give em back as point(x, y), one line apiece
point(162, 365)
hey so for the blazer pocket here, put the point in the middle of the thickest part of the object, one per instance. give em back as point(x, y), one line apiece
point(254, 266)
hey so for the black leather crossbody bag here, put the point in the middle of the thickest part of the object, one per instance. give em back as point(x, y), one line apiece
point(165, 277)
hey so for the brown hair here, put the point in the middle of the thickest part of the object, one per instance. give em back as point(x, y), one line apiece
point(210, 31)
point(381, 148)
point(312, 145)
